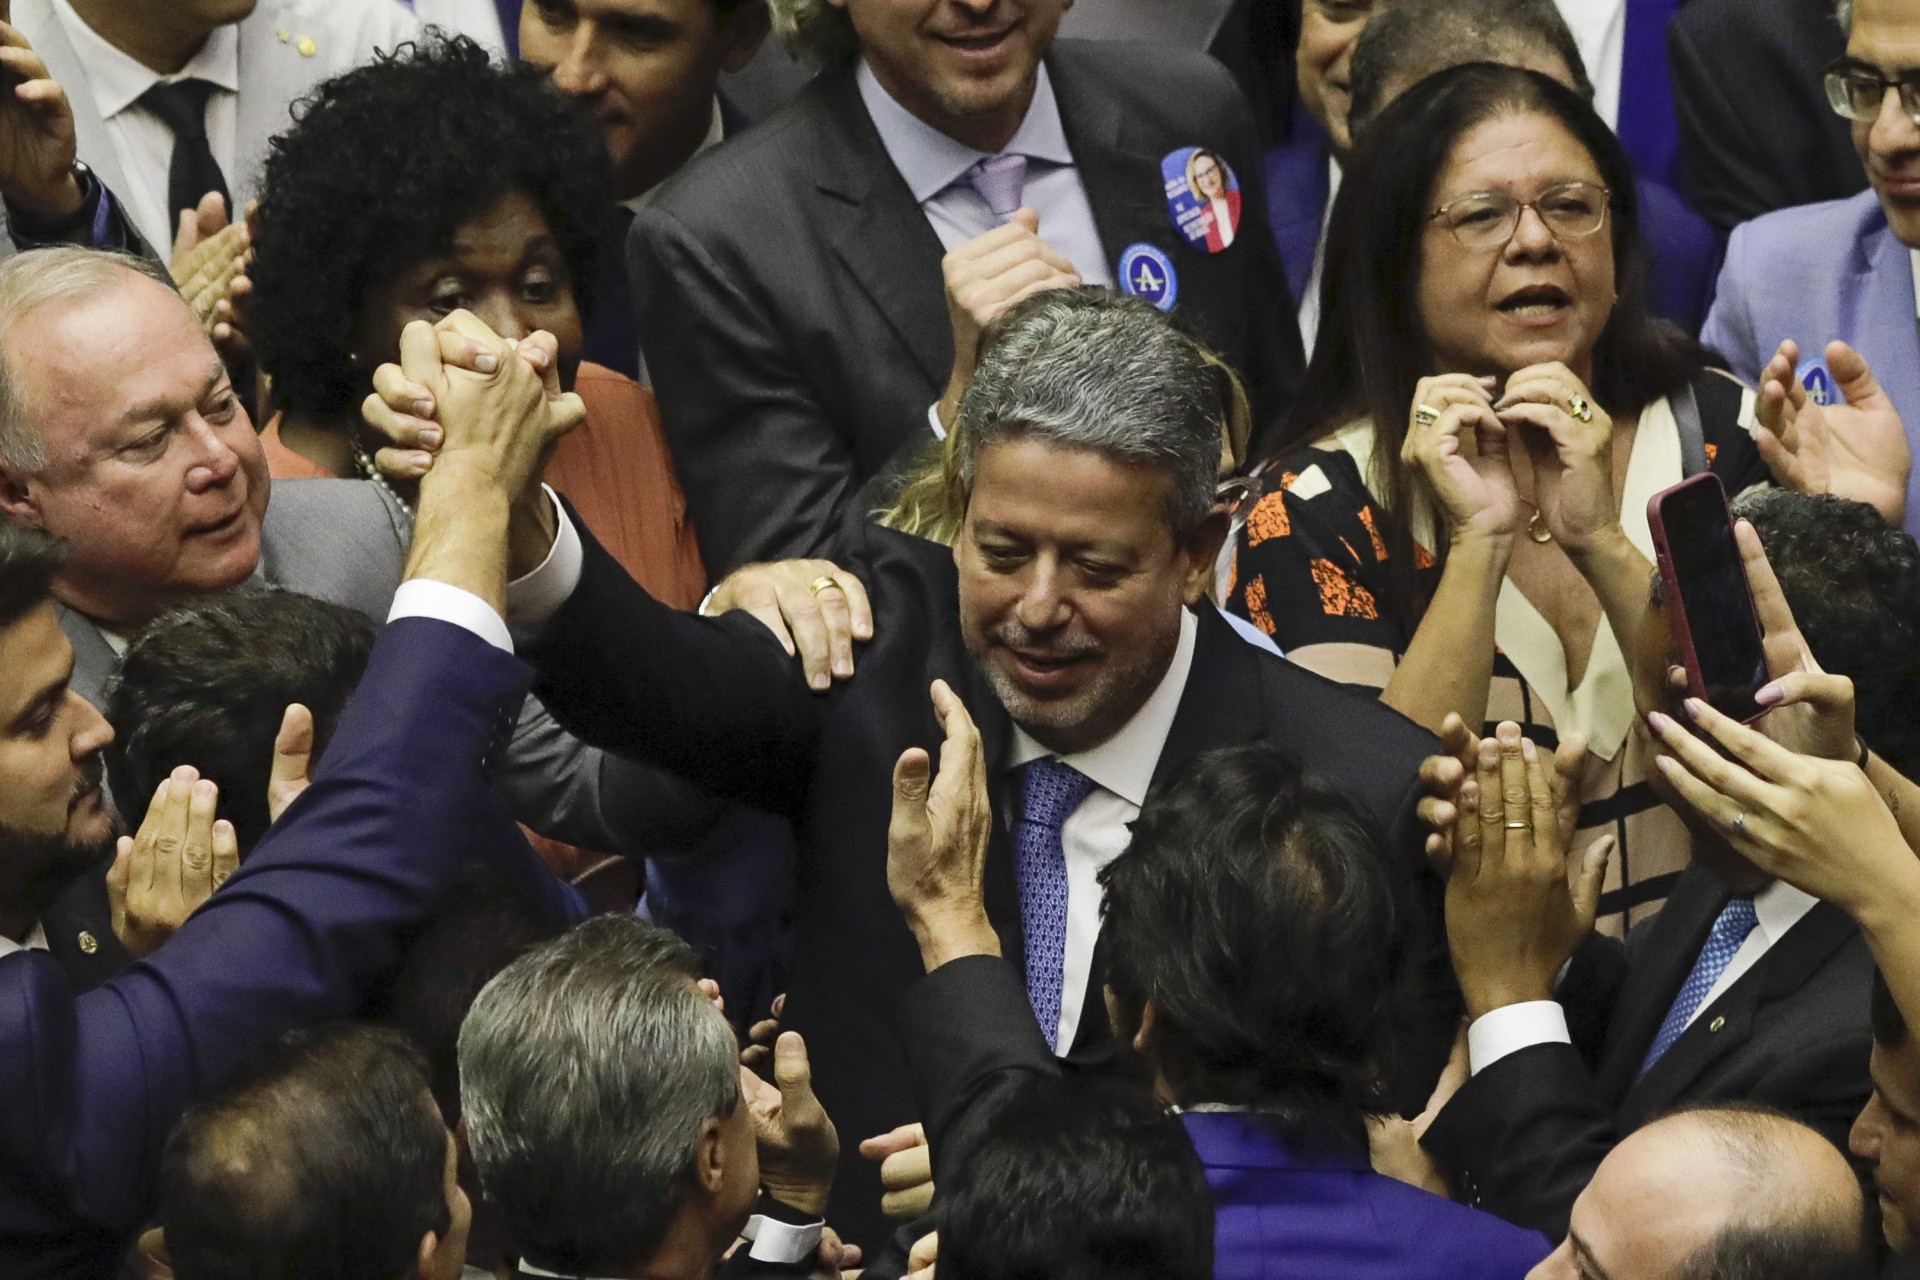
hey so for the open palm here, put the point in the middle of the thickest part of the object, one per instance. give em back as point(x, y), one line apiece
point(36, 129)
point(1857, 449)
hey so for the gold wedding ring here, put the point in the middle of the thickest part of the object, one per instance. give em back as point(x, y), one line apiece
point(1579, 407)
point(823, 583)
point(1519, 826)
point(1426, 415)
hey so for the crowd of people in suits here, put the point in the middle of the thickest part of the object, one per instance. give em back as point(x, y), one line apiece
point(982, 639)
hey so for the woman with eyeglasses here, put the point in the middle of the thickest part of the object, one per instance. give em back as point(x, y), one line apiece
point(1456, 512)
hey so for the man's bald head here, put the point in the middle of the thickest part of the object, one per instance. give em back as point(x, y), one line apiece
point(1717, 1192)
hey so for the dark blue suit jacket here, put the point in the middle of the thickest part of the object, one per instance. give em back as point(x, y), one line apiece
point(94, 1083)
point(1683, 249)
point(971, 1037)
point(1278, 1213)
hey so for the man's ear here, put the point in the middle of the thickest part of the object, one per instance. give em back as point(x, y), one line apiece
point(428, 1264)
point(741, 34)
point(709, 1163)
point(1202, 553)
point(18, 500)
point(1145, 1037)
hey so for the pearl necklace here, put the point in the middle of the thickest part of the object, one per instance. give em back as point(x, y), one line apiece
point(364, 465)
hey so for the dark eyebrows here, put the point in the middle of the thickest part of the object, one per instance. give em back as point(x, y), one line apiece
point(47, 698)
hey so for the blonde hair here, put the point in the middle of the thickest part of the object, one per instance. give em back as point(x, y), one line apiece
point(815, 31)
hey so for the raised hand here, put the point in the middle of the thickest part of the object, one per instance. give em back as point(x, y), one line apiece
point(209, 267)
point(1517, 906)
point(798, 1144)
point(1459, 447)
point(1857, 449)
point(937, 840)
point(987, 276)
point(36, 130)
point(1441, 777)
point(906, 1170)
point(292, 760)
point(1818, 824)
point(163, 874)
point(1569, 439)
point(1812, 711)
point(813, 607)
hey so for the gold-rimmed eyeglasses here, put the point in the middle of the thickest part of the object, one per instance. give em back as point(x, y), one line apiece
point(1488, 219)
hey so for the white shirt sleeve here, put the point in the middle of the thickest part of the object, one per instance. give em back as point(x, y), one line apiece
point(426, 598)
point(534, 599)
point(940, 430)
point(1513, 1027)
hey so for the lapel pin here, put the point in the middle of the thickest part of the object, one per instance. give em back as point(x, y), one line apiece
point(1147, 273)
point(284, 36)
point(1719, 1021)
point(88, 943)
point(1203, 197)
point(1814, 375)
point(307, 46)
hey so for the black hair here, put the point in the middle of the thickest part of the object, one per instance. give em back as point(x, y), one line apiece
point(1371, 351)
point(1413, 39)
point(29, 562)
point(1889, 1024)
point(382, 166)
point(483, 924)
point(324, 1160)
point(207, 684)
point(1262, 916)
point(1078, 1180)
point(1853, 583)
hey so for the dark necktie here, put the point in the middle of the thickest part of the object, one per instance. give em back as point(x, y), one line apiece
point(193, 172)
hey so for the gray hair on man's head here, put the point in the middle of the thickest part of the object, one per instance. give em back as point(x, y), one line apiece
point(815, 31)
point(588, 1069)
point(29, 281)
point(1091, 369)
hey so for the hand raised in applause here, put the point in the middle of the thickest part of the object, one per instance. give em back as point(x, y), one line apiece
point(163, 874)
point(1857, 449)
point(987, 276)
point(937, 840)
point(1441, 777)
point(37, 147)
point(209, 267)
point(1515, 908)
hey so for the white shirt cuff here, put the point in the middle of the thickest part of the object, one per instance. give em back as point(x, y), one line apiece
point(940, 428)
point(1513, 1027)
point(782, 1242)
point(534, 599)
point(426, 598)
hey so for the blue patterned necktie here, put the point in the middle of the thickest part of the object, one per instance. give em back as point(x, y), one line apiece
point(1001, 181)
point(1050, 792)
point(1730, 930)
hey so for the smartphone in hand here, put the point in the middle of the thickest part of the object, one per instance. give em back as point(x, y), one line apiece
point(1710, 612)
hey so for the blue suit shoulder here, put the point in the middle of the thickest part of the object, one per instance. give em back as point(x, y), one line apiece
point(1454, 1240)
point(1808, 241)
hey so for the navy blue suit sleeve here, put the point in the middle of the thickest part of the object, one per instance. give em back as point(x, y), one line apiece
point(401, 801)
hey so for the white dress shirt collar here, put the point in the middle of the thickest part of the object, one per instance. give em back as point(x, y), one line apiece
point(36, 941)
point(931, 162)
point(1777, 908)
point(1124, 763)
point(118, 79)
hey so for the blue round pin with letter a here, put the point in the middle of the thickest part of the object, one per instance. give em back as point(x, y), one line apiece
point(1818, 380)
point(1147, 273)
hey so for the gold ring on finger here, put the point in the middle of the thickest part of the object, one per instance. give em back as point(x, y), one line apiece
point(822, 583)
point(1519, 826)
point(1579, 406)
point(1426, 415)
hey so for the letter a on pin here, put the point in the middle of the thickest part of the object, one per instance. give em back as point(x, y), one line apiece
point(1147, 273)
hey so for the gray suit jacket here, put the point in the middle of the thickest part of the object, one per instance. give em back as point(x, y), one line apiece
point(275, 72)
point(345, 541)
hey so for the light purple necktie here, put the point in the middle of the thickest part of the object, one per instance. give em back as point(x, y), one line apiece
point(1000, 180)
point(1730, 930)
point(1050, 792)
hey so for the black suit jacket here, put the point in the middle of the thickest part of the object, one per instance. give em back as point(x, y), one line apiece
point(1527, 1132)
point(1756, 133)
point(718, 700)
point(792, 311)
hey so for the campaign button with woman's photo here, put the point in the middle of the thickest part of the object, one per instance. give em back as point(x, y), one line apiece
point(1203, 197)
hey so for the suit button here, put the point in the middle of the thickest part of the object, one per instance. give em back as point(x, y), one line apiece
point(1716, 1024)
point(88, 943)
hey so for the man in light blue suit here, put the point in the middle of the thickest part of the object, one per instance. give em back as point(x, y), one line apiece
point(1843, 270)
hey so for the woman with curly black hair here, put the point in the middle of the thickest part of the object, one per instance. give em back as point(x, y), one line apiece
point(434, 180)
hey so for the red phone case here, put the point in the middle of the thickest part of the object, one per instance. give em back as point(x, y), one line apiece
point(1677, 624)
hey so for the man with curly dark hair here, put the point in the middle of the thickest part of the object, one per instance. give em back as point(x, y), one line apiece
point(1853, 582)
